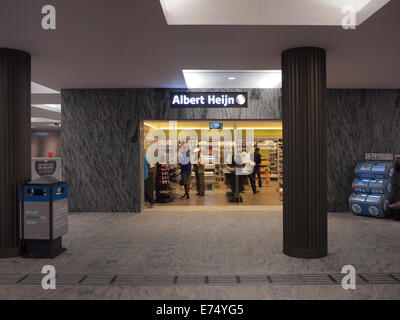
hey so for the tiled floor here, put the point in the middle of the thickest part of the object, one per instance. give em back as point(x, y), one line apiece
point(214, 243)
point(268, 195)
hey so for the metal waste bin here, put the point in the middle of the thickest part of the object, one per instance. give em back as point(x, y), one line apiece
point(44, 217)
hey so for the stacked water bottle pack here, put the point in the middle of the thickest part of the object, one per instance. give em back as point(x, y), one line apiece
point(373, 188)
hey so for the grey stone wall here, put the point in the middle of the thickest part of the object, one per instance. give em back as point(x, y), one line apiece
point(101, 138)
point(359, 121)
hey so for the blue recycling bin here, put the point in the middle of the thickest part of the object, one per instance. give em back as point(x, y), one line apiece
point(373, 186)
point(44, 217)
point(375, 170)
point(376, 205)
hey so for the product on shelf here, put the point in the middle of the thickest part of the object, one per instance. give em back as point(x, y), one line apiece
point(280, 167)
point(265, 169)
point(273, 160)
point(164, 191)
point(272, 163)
point(174, 173)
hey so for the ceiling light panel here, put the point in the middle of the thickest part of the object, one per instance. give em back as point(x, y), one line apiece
point(44, 120)
point(236, 79)
point(49, 107)
point(266, 12)
point(39, 89)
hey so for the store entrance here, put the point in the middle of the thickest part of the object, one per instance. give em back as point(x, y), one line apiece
point(213, 173)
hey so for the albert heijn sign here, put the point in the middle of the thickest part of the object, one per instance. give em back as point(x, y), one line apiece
point(208, 99)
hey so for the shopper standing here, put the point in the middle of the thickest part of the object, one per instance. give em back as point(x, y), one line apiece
point(147, 166)
point(186, 169)
point(199, 170)
point(257, 171)
point(249, 169)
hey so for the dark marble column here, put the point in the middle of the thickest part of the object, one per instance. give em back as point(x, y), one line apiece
point(304, 137)
point(15, 143)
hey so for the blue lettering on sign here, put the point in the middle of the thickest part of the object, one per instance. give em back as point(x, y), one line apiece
point(32, 217)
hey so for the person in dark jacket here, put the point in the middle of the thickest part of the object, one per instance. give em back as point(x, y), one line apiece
point(257, 161)
point(186, 170)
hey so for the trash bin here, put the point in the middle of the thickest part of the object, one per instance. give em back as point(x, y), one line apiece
point(44, 217)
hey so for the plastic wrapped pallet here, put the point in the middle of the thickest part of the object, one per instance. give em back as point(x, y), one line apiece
point(373, 186)
point(369, 205)
point(375, 170)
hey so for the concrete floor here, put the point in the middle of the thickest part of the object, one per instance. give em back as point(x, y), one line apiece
point(210, 243)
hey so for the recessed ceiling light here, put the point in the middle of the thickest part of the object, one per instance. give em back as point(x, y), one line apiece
point(44, 120)
point(239, 79)
point(267, 12)
point(49, 107)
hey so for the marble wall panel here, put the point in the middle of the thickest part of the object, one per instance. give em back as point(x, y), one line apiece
point(101, 138)
point(359, 122)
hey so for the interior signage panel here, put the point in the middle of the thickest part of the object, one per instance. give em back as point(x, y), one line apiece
point(379, 156)
point(209, 99)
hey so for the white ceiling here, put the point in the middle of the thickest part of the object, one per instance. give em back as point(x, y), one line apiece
point(257, 79)
point(45, 116)
point(49, 107)
point(266, 12)
point(45, 123)
point(44, 120)
point(128, 44)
